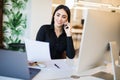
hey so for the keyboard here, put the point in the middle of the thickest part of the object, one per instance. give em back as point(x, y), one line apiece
point(33, 72)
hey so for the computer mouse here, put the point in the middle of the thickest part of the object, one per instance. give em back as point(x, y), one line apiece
point(41, 65)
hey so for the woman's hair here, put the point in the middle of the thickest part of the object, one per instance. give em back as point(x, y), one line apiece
point(67, 10)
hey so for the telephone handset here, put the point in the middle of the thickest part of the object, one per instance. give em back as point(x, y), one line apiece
point(66, 25)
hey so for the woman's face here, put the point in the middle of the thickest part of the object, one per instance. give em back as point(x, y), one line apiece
point(60, 18)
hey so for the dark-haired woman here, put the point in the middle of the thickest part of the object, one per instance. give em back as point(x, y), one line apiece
point(58, 34)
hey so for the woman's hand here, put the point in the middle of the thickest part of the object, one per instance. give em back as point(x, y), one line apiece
point(31, 63)
point(67, 29)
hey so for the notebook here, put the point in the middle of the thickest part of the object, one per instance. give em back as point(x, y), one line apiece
point(14, 64)
point(37, 51)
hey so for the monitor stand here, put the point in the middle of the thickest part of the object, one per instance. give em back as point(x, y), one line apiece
point(113, 65)
point(114, 54)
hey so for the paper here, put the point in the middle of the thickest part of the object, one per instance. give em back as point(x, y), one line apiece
point(37, 50)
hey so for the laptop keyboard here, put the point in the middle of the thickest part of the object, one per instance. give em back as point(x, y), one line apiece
point(33, 72)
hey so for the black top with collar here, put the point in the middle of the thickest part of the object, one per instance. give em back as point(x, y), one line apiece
point(57, 44)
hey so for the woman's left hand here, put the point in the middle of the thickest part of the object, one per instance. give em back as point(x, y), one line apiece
point(68, 29)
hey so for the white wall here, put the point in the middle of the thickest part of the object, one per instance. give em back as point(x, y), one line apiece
point(40, 13)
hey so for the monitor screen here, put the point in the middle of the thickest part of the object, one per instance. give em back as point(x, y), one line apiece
point(100, 28)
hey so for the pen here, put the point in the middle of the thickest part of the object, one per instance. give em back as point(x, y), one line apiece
point(57, 66)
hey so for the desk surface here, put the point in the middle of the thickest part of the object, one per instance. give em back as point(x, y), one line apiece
point(67, 68)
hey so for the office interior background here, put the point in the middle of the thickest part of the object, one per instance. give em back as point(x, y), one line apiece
point(40, 12)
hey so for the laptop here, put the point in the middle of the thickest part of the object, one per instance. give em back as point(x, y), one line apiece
point(15, 64)
point(37, 51)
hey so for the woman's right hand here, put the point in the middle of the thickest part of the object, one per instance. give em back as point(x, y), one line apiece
point(31, 63)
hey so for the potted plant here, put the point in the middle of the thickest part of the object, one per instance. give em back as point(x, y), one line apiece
point(14, 22)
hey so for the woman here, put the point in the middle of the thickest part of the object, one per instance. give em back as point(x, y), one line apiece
point(58, 34)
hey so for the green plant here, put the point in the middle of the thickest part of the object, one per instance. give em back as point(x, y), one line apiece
point(14, 22)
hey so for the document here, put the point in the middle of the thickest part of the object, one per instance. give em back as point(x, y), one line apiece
point(37, 51)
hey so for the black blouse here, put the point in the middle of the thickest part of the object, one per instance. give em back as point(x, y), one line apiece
point(57, 44)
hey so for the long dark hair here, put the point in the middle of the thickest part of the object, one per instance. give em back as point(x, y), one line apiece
point(67, 10)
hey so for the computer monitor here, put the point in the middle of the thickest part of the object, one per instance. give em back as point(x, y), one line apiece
point(100, 28)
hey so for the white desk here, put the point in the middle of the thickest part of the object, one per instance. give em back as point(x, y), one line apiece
point(67, 68)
